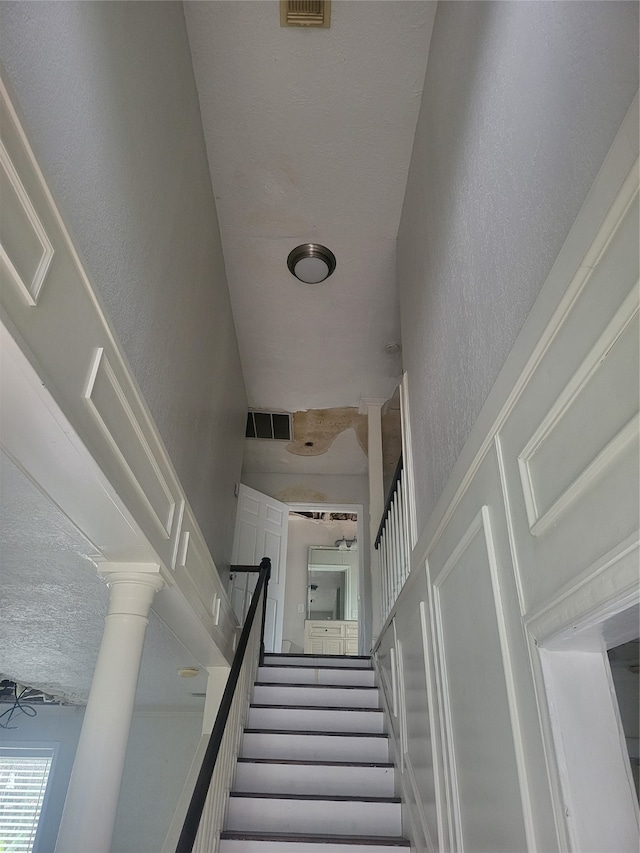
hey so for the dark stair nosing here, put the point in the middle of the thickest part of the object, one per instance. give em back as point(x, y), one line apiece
point(314, 733)
point(315, 763)
point(282, 837)
point(313, 798)
point(315, 686)
point(313, 707)
point(307, 655)
point(320, 666)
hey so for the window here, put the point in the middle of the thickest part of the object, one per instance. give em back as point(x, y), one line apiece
point(23, 782)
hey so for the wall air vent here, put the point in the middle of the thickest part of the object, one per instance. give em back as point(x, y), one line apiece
point(273, 425)
point(305, 13)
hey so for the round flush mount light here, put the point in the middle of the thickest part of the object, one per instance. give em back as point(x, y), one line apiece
point(311, 263)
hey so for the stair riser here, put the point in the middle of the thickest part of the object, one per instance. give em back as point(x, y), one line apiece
point(308, 675)
point(313, 661)
point(312, 696)
point(309, 779)
point(309, 816)
point(316, 720)
point(314, 747)
point(241, 846)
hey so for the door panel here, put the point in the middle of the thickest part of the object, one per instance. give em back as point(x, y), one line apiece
point(261, 531)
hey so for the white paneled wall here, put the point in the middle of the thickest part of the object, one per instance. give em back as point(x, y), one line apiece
point(528, 570)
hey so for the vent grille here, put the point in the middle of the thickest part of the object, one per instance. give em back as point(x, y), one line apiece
point(270, 425)
point(305, 13)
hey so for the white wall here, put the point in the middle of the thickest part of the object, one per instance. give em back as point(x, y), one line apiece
point(160, 751)
point(54, 724)
point(303, 532)
point(108, 99)
point(502, 714)
point(520, 104)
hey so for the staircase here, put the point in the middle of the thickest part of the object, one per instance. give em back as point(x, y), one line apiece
point(313, 775)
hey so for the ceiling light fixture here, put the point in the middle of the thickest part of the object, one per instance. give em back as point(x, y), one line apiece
point(311, 263)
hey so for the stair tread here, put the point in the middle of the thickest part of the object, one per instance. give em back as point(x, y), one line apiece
point(313, 657)
point(372, 840)
point(313, 707)
point(314, 733)
point(312, 763)
point(338, 798)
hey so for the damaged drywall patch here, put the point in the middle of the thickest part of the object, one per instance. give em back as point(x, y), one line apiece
point(315, 430)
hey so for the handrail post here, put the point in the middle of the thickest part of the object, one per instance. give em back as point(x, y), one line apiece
point(264, 563)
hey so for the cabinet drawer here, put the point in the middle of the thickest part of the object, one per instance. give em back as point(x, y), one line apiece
point(327, 630)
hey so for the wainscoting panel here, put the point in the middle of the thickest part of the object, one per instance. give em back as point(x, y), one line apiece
point(25, 248)
point(418, 760)
point(113, 410)
point(534, 540)
point(89, 405)
point(570, 443)
point(480, 748)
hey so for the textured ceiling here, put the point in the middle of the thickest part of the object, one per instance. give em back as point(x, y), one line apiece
point(309, 136)
point(53, 605)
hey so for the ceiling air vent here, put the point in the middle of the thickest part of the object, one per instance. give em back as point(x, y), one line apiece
point(273, 425)
point(305, 13)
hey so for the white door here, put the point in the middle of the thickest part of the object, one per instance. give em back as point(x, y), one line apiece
point(261, 531)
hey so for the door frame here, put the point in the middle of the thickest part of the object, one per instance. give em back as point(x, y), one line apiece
point(358, 509)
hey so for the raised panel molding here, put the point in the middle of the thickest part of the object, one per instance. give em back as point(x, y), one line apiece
point(611, 582)
point(92, 446)
point(614, 416)
point(195, 565)
point(492, 701)
point(534, 536)
point(113, 412)
point(25, 247)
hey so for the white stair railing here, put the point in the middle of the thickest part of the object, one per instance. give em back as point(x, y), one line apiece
point(393, 542)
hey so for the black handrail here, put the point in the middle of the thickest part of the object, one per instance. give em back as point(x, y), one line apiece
point(201, 788)
point(387, 506)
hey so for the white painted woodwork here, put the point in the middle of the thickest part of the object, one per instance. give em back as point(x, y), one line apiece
point(213, 813)
point(297, 846)
point(74, 420)
point(330, 637)
point(318, 719)
point(90, 807)
point(312, 770)
point(335, 779)
point(311, 747)
point(492, 661)
point(315, 675)
point(352, 817)
point(318, 660)
point(313, 695)
point(261, 531)
point(394, 546)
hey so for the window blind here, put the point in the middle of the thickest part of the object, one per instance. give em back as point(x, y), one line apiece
point(24, 774)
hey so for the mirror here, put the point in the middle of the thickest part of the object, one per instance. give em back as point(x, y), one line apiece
point(332, 585)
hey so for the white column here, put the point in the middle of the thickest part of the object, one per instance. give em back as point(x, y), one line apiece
point(90, 808)
point(376, 504)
